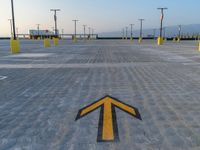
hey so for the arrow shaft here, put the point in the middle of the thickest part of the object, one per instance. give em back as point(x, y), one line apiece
point(108, 129)
point(108, 133)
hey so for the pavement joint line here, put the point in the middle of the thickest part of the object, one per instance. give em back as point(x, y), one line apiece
point(87, 65)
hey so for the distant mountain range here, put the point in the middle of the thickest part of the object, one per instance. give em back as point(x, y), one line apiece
point(170, 31)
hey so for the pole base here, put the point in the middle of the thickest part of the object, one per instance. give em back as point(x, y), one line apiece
point(160, 40)
point(47, 43)
point(131, 40)
point(75, 40)
point(15, 46)
point(140, 41)
point(56, 41)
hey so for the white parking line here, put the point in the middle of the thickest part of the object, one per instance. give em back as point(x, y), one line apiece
point(2, 77)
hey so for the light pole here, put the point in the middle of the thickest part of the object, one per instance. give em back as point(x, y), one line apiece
point(11, 29)
point(160, 39)
point(126, 33)
point(179, 33)
point(131, 31)
point(92, 33)
point(13, 19)
point(75, 22)
point(123, 34)
point(14, 43)
point(84, 32)
point(55, 20)
point(89, 32)
point(141, 25)
point(38, 29)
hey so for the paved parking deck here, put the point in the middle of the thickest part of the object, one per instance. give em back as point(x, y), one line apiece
point(42, 91)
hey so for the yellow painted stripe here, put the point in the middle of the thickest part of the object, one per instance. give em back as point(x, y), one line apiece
point(108, 133)
point(92, 107)
point(124, 107)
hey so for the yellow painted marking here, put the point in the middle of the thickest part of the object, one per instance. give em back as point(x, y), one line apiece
point(108, 133)
point(124, 107)
point(108, 122)
point(91, 108)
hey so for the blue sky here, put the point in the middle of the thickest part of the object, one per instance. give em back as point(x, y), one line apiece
point(102, 15)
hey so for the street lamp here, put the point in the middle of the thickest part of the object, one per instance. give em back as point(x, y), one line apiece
point(131, 31)
point(38, 29)
point(84, 32)
point(141, 21)
point(55, 19)
point(126, 33)
point(160, 39)
point(13, 19)
point(89, 32)
point(14, 44)
point(11, 29)
point(92, 33)
point(123, 34)
point(179, 34)
point(75, 22)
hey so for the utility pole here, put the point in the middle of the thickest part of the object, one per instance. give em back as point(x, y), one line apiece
point(89, 32)
point(126, 33)
point(179, 34)
point(131, 31)
point(38, 29)
point(55, 20)
point(11, 29)
point(123, 34)
point(13, 19)
point(75, 22)
point(92, 32)
point(84, 32)
point(141, 25)
point(161, 20)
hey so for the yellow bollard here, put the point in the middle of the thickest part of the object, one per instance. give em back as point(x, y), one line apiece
point(14, 46)
point(131, 40)
point(178, 40)
point(140, 41)
point(160, 41)
point(47, 43)
point(199, 46)
point(56, 41)
point(75, 40)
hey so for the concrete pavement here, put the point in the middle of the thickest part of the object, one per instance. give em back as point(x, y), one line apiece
point(42, 91)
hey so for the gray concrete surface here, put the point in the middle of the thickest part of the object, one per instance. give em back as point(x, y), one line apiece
point(41, 91)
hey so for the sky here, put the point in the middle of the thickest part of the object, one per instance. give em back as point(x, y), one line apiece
point(102, 15)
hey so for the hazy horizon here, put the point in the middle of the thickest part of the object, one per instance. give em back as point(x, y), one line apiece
point(103, 16)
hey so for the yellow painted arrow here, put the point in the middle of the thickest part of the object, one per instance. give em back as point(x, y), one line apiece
point(108, 129)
